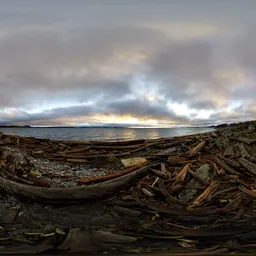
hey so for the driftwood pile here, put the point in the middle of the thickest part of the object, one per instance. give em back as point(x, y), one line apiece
point(190, 194)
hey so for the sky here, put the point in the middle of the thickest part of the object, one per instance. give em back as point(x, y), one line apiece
point(136, 63)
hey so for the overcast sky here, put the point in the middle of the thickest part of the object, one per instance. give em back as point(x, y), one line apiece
point(163, 63)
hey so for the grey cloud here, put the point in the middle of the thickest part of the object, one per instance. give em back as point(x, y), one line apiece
point(144, 109)
point(91, 51)
point(37, 62)
point(136, 108)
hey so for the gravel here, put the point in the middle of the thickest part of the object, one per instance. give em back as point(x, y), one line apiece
point(55, 173)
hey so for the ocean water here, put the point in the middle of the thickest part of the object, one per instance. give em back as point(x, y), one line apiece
point(105, 134)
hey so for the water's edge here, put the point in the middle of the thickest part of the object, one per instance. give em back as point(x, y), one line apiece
point(103, 134)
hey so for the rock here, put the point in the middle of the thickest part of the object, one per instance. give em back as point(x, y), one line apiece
point(188, 194)
point(222, 142)
point(251, 128)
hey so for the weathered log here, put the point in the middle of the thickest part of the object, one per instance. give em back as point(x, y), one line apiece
point(198, 177)
point(206, 194)
point(15, 178)
point(159, 173)
point(192, 152)
point(234, 204)
point(218, 230)
point(86, 180)
point(224, 191)
point(126, 211)
point(177, 159)
point(111, 147)
point(92, 156)
point(79, 150)
point(171, 144)
point(180, 212)
point(180, 177)
point(232, 162)
point(144, 147)
point(70, 194)
point(79, 161)
point(118, 143)
point(82, 241)
point(229, 151)
point(251, 167)
point(246, 140)
point(247, 191)
point(68, 142)
point(226, 167)
point(243, 151)
point(169, 198)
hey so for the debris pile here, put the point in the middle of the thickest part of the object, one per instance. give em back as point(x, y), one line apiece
point(181, 194)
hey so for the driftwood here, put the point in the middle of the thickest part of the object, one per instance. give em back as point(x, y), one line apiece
point(243, 151)
point(192, 152)
point(206, 194)
point(176, 159)
point(168, 197)
point(248, 191)
point(251, 167)
point(118, 147)
point(93, 156)
point(118, 143)
point(140, 205)
point(110, 176)
point(71, 194)
point(246, 140)
point(159, 173)
point(181, 212)
point(232, 162)
point(15, 178)
point(226, 167)
point(181, 175)
point(198, 177)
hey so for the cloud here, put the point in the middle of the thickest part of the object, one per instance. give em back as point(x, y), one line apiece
point(133, 63)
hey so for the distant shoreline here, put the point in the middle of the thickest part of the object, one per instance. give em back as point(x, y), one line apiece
point(112, 127)
point(224, 125)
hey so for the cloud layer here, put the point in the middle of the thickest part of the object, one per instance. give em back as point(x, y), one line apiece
point(163, 64)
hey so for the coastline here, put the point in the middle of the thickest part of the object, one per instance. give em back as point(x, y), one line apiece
point(102, 134)
point(182, 184)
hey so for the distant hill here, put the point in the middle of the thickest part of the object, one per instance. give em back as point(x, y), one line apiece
point(243, 125)
point(15, 126)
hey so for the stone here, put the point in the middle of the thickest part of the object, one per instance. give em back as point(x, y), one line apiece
point(189, 194)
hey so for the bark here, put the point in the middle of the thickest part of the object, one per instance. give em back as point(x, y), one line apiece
point(246, 140)
point(192, 152)
point(110, 176)
point(70, 194)
point(251, 167)
point(226, 167)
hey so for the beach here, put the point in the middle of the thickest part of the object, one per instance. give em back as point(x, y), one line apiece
point(186, 194)
point(102, 134)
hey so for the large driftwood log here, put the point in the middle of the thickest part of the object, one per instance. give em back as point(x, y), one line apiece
point(246, 140)
point(70, 194)
point(86, 180)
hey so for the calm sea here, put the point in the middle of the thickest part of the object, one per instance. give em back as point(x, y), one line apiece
point(87, 134)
